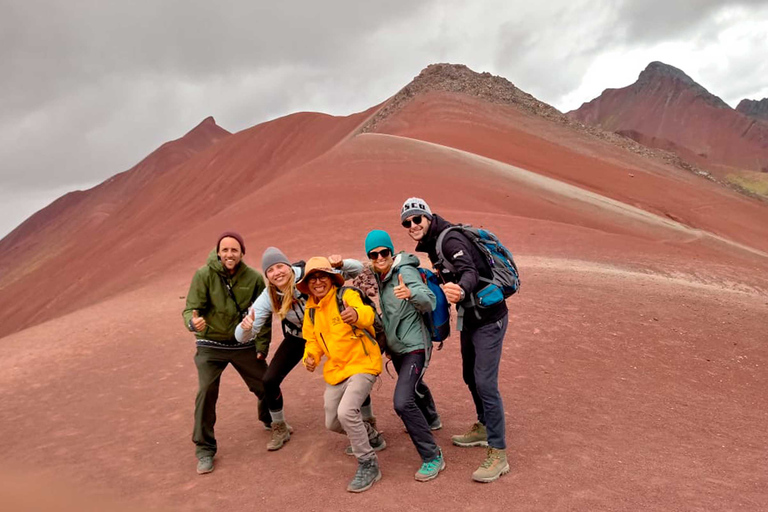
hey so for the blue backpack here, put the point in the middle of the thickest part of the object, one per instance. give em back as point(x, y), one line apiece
point(438, 320)
point(506, 278)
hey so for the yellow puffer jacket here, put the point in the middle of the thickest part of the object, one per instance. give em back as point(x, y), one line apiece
point(348, 349)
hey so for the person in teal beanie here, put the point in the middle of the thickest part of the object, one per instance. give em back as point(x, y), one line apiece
point(403, 297)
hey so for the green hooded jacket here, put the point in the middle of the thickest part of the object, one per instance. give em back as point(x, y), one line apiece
point(402, 319)
point(208, 295)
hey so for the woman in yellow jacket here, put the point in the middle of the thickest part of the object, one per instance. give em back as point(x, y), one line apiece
point(354, 361)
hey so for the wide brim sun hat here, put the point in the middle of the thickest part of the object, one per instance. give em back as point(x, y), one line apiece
point(318, 264)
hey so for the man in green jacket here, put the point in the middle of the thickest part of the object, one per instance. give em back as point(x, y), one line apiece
point(218, 297)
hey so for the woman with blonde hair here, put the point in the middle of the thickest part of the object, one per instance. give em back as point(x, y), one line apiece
point(282, 298)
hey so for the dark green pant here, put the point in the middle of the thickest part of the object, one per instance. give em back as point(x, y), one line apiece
point(210, 364)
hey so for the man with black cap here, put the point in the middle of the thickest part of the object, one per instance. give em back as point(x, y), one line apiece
point(218, 297)
point(482, 329)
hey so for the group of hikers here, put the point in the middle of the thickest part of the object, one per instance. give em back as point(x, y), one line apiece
point(230, 308)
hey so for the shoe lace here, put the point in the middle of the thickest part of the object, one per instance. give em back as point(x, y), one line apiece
point(489, 459)
point(363, 469)
point(430, 466)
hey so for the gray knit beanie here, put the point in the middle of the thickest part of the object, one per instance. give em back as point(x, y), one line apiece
point(271, 256)
point(415, 206)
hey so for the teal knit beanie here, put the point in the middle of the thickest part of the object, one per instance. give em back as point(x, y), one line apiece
point(378, 238)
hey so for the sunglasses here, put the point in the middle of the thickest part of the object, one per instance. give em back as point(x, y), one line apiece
point(384, 253)
point(319, 276)
point(416, 220)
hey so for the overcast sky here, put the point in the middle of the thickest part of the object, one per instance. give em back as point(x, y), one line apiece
point(90, 87)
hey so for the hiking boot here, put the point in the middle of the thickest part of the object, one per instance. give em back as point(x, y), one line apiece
point(493, 467)
point(367, 473)
point(371, 421)
point(205, 465)
point(430, 470)
point(477, 436)
point(280, 435)
point(435, 425)
point(374, 437)
point(377, 443)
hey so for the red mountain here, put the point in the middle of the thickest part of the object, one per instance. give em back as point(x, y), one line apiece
point(666, 109)
point(633, 368)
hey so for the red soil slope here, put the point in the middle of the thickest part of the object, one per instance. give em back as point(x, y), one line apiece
point(667, 108)
point(632, 373)
point(89, 245)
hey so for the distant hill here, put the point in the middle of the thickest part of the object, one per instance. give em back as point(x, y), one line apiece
point(752, 108)
point(667, 109)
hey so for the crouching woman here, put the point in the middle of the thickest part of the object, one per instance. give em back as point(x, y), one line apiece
point(343, 333)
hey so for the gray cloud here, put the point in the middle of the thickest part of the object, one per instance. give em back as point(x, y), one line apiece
point(90, 88)
point(549, 61)
point(662, 20)
point(58, 46)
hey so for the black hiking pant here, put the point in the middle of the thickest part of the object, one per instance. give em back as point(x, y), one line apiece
point(210, 363)
point(414, 404)
point(480, 358)
point(287, 356)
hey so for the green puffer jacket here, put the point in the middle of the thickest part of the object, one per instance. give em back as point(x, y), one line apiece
point(402, 318)
point(208, 294)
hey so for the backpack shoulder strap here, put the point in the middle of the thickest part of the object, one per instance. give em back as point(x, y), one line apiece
point(340, 303)
point(228, 286)
point(340, 297)
point(301, 266)
point(439, 248)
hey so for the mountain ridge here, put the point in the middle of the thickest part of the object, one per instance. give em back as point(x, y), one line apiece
point(665, 108)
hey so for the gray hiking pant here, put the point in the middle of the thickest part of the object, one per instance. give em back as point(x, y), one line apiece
point(342, 412)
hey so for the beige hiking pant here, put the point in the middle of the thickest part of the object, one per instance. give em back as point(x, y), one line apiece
point(342, 412)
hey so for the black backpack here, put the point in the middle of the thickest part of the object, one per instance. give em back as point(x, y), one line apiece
point(378, 325)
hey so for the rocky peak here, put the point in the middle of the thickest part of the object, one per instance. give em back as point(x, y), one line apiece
point(458, 78)
point(754, 108)
point(656, 73)
point(659, 69)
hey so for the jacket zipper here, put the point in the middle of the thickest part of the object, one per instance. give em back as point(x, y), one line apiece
point(325, 345)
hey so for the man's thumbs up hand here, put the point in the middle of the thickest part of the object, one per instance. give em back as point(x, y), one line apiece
point(310, 363)
point(402, 292)
point(348, 315)
point(197, 322)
